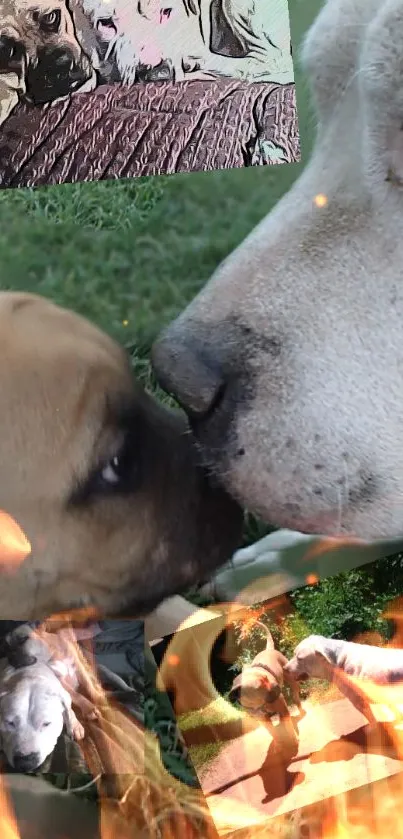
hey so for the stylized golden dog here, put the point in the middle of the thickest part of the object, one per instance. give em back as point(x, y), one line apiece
point(41, 58)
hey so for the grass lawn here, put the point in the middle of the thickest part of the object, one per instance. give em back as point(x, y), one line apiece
point(216, 713)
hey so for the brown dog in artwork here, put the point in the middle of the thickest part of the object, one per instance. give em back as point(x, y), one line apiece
point(259, 687)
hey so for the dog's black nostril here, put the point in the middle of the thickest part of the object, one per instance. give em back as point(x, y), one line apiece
point(189, 372)
point(26, 763)
point(11, 52)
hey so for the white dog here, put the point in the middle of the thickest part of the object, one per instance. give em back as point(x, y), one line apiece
point(290, 360)
point(317, 656)
point(334, 660)
point(34, 709)
point(156, 39)
point(39, 682)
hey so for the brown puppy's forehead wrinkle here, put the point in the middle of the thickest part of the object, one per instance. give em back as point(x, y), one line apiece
point(34, 314)
point(16, 18)
point(69, 379)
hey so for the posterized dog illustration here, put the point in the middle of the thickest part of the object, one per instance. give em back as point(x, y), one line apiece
point(41, 58)
point(156, 39)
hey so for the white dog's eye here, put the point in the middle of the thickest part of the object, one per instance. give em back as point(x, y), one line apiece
point(45, 724)
point(111, 472)
point(10, 723)
point(165, 14)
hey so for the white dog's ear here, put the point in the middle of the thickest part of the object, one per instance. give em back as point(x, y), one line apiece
point(328, 653)
point(65, 699)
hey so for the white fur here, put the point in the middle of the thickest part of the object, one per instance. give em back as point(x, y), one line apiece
point(184, 39)
point(325, 282)
point(317, 656)
point(34, 708)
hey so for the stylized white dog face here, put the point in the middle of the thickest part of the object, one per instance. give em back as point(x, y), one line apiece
point(150, 37)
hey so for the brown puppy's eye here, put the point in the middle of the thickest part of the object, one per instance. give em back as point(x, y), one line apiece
point(50, 21)
point(111, 473)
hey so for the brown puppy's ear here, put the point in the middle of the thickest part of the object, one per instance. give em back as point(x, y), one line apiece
point(235, 690)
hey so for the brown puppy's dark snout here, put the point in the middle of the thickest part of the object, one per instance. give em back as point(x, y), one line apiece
point(57, 73)
point(189, 370)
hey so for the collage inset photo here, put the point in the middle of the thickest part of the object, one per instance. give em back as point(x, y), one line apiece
point(103, 89)
point(71, 699)
point(294, 702)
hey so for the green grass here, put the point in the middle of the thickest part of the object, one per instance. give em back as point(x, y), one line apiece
point(216, 713)
point(138, 250)
point(129, 251)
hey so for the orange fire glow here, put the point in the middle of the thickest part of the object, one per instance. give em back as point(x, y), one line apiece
point(367, 771)
point(320, 200)
point(14, 545)
point(8, 824)
point(148, 803)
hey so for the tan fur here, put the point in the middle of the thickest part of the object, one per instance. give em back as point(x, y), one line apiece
point(70, 405)
point(291, 357)
point(11, 88)
point(254, 685)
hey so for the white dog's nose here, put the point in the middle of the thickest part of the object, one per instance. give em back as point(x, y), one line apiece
point(26, 763)
point(187, 369)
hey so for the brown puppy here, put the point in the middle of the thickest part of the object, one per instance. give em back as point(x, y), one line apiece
point(259, 687)
point(40, 55)
point(103, 480)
